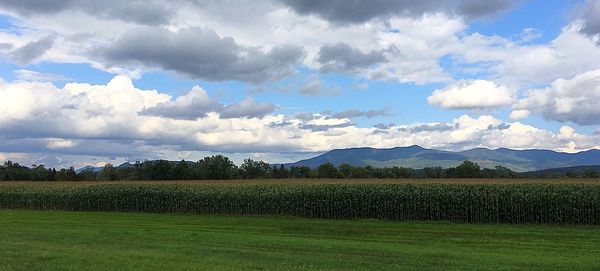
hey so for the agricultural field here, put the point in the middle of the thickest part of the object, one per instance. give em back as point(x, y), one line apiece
point(466, 224)
point(60, 240)
point(321, 181)
point(520, 202)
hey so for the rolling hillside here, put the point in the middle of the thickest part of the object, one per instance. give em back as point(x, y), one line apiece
point(418, 157)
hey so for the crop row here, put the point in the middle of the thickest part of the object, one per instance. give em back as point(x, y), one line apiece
point(470, 203)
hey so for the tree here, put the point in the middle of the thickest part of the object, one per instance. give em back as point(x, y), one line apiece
point(183, 171)
point(40, 173)
point(108, 173)
point(252, 169)
point(15, 172)
point(498, 172)
point(434, 172)
point(71, 174)
point(217, 167)
point(280, 172)
point(87, 175)
point(402, 172)
point(591, 174)
point(159, 170)
point(327, 170)
point(346, 171)
point(300, 172)
point(467, 169)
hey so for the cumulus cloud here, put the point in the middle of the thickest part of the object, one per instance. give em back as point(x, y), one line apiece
point(519, 114)
point(248, 108)
point(355, 113)
point(148, 12)
point(32, 50)
point(195, 104)
point(362, 11)
point(35, 109)
point(471, 94)
point(259, 38)
point(203, 54)
point(105, 120)
point(590, 16)
point(341, 57)
point(421, 33)
point(575, 99)
point(60, 143)
point(260, 49)
point(313, 87)
point(428, 127)
point(316, 87)
point(569, 54)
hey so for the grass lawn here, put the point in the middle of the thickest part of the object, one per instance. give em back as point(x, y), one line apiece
point(50, 240)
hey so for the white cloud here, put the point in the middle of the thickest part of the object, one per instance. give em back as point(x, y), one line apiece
point(316, 87)
point(411, 45)
point(566, 132)
point(194, 104)
point(529, 34)
point(570, 53)
point(588, 14)
point(574, 99)
point(104, 120)
point(60, 144)
point(248, 108)
point(519, 114)
point(28, 75)
point(471, 94)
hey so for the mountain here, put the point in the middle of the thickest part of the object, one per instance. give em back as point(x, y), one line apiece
point(418, 157)
point(564, 170)
point(88, 167)
point(125, 165)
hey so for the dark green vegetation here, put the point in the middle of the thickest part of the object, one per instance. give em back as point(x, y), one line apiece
point(418, 158)
point(51, 240)
point(470, 203)
point(220, 167)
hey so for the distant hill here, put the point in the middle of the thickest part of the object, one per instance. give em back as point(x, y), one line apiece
point(124, 165)
point(564, 170)
point(88, 167)
point(417, 157)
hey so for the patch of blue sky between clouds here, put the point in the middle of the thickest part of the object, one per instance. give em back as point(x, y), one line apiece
point(7, 25)
point(547, 16)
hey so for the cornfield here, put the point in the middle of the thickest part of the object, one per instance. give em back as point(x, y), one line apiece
point(468, 203)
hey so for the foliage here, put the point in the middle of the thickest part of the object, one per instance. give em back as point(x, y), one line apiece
point(219, 167)
point(327, 170)
point(469, 203)
point(252, 169)
point(467, 169)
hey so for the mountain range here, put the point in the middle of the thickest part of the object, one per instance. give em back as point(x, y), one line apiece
point(417, 157)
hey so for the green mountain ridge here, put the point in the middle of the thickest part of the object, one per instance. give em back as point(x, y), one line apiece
point(417, 157)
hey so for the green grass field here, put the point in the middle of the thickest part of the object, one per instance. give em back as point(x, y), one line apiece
point(52, 240)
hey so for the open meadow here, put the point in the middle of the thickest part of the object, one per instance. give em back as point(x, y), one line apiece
point(59, 240)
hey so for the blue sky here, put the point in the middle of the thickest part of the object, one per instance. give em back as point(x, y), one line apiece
point(86, 82)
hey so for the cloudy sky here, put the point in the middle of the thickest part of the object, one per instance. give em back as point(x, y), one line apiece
point(90, 82)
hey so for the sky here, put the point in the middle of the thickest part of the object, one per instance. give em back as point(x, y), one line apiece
point(85, 82)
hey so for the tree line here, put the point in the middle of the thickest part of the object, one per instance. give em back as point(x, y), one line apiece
point(219, 167)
